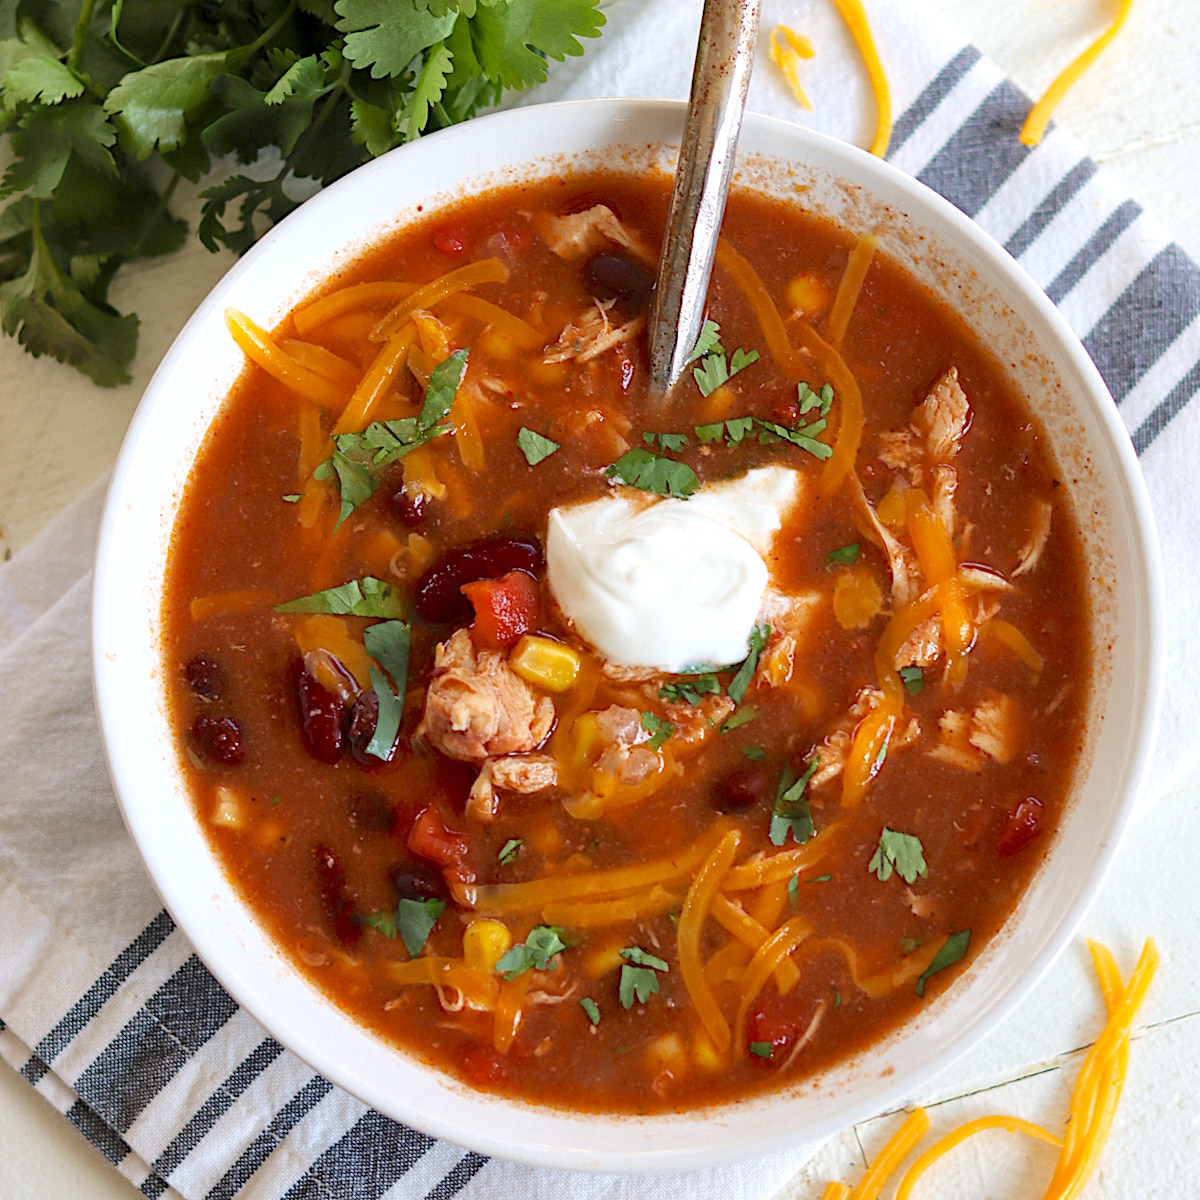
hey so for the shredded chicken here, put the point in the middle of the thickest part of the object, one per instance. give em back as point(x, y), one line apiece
point(624, 757)
point(591, 334)
point(942, 490)
point(477, 707)
point(1031, 552)
point(526, 774)
point(954, 747)
point(923, 647)
point(900, 450)
point(695, 723)
point(906, 574)
point(835, 746)
point(582, 233)
point(789, 617)
point(942, 417)
point(994, 728)
point(922, 906)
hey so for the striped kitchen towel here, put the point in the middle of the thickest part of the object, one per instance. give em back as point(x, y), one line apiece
point(105, 1009)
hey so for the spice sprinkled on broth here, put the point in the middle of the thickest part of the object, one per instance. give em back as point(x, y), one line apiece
point(614, 757)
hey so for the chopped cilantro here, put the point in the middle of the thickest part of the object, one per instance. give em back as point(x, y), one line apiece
point(387, 643)
point(639, 975)
point(808, 399)
point(903, 851)
point(819, 879)
point(837, 998)
point(804, 436)
point(793, 890)
point(762, 1049)
point(534, 446)
point(652, 473)
point(741, 681)
point(385, 922)
point(294, 497)
point(658, 728)
point(705, 684)
point(443, 385)
point(910, 945)
point(509, 851)
point(913, 679)
point(754, 753)
point(708, 341)
point(415, 920)
point(665, 441)
point(732, 431)
point(673, 917)
point(366, 597)
point(716, 370)
point(743, 716)
point(790, 813)
point(843, 556)
point(538, 948)
point(953, 949)
point(592, 1009)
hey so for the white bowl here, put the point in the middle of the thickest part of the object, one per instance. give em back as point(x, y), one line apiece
point(948, 253)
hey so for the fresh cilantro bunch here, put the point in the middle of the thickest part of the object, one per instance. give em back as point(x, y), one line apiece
point(107, 104)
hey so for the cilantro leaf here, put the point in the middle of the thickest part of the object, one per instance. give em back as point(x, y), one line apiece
point(804, 436)
point(732, 431)
point(534, 446)
point(639, 975)
point(384, 36)
point(691, 690)
point(709, 342)
point(45, 141)
point(592, 1009)
point(762, 1049)
point(652, 473)
point(365, 597)
point(843, 556)
point(790, 813)
point(428, 90)
point(913, 679)
point(793, 890)
point(444, 381)
point(385, 922)
point(151, 107)
point(513, 40)
point(953, 949)
point(902, 851)
point(754, 753)
point(741, 681)
point(539, 947)
point(808, 399)
point(303, 79)
point(32, 73)
point(715, 370)
point(415, 920)
point(665, 441)
point(388, 644)
point(509, 851)
point(743, 716)
point(658, 728)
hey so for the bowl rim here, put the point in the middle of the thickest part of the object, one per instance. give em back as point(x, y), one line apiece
point(659, 1155)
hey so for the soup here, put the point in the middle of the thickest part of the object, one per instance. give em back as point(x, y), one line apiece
point(617, 757)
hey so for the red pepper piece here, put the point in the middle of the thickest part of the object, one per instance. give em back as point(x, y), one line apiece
point(1023, 825)
point(505, 608)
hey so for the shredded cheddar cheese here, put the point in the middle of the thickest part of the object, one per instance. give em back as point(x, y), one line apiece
point(787, 48)
point(1035, 125)
point(855, 17)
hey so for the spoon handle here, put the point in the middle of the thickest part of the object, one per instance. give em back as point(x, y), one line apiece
point(720, 80)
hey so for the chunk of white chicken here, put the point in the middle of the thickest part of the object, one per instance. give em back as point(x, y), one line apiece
point(526, 774)
point(590, 335)
point(578, 234)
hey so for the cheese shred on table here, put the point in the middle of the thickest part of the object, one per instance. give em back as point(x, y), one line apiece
point(1093, 1102)
point(1034, 128)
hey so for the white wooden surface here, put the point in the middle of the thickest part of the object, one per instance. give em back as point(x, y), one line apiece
point(1138, 112)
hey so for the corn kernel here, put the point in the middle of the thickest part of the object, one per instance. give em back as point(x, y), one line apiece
point(485, 943)
point(857, 599)
point(891, 508)
point(227, 812)
point(808, 292)
point(666, 1053)
point(544, 837)
point(547, 373)
point(717, 405)
point(707, 1056)
point(546, 663)
point(420, 555)
point(269, 834)
point(497, 346)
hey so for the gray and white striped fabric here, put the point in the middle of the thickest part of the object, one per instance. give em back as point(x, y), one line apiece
point(105, 1009)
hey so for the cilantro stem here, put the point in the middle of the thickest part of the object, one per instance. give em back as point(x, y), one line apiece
point(152, 220)
point(165, 44)
point(81, 28)
point(242, 53)
point(306, 138)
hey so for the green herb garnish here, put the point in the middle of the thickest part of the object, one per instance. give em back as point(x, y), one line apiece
point(639, 975)
point(793, 890)
point(819, 879)
point(743, 716)
point(542, 944)
point(592, 1009)
point(534, 446)
point(716, 370)
point(953, 949)
point(366, 597)
point(754, 753)
point(509, 851)
point(388, 644)
point(902, 851)
point(790, 813)
point(708, 341)
point(732, 432)
point(913, 679)
point(741, 681)
point(658, 728)
point(415, 920)
point(843, 556)
point(665, 441)
point(294, 497)
point(762, 1049)
point(691, 690)
point(385, 922)
point(652, 473)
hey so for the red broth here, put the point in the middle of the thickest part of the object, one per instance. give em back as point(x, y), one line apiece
point(883, 880)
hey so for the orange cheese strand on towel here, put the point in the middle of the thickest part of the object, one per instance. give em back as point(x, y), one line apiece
point(856, 18)
point(787, 48)
point(1034, 128)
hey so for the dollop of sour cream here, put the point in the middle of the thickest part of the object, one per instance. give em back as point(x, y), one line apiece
point(665, 583)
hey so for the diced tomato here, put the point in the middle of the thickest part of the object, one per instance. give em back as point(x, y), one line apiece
point(483, 1066)
point(1023, 825)
point(505, 609)
point(449, 240)
point(775, 1023)
point(431, 838)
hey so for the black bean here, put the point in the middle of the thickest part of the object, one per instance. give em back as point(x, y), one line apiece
point(439, 595)
point(620, 278)
point(416, 883)
point(742, 788)
point(321, 719)
point(219, 739)
point(204, 676)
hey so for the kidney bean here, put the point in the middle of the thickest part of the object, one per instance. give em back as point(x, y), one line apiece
point(409, 507)
point(618, 277)
point(331, 883)
point(364, 716)
point(416, 883)
point(204, 676)
point(439, 597)
point(1023, 825)
point(218, 739)
point(742, 788)
point(322, 717)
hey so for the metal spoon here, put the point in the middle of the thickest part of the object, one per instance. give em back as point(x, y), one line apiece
point(720, 80)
